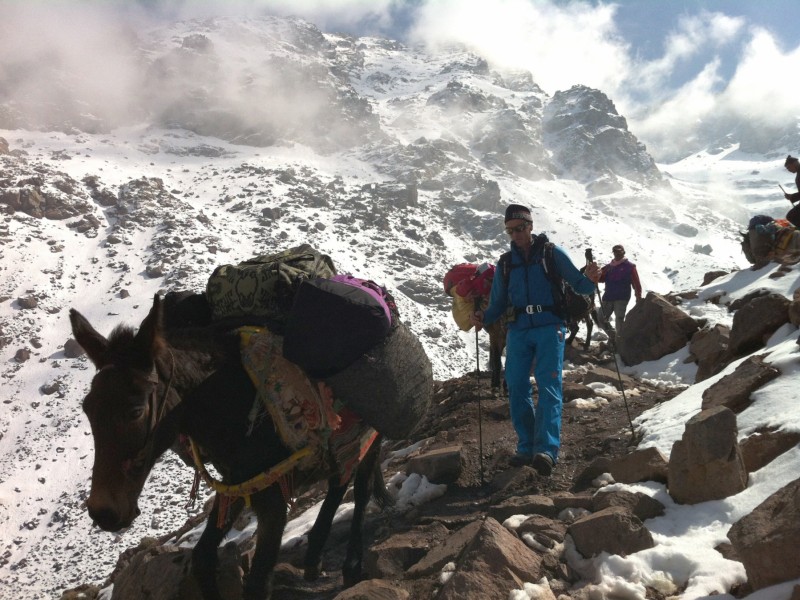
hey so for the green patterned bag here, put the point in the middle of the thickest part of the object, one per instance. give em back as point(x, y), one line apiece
point(265, 286)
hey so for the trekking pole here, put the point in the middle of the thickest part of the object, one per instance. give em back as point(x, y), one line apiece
point(480, 412)
point(613, 340)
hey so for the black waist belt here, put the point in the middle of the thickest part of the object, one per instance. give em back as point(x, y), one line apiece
point(532, 309)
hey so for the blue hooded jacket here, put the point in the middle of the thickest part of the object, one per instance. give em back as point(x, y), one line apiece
point(528, 284)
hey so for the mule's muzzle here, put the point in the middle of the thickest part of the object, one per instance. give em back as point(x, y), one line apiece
point(108, 519)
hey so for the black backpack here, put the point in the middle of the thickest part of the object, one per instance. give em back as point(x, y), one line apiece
point(569, 304)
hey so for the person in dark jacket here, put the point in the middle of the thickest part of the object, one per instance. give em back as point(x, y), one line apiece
point(620, 276)
point(792, 165)
point(536, 337)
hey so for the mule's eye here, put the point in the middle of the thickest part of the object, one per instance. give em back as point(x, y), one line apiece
point(134, 413)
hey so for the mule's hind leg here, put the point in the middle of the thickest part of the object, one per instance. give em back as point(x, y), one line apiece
point(318, 535)
point(573, 331)
point(204, 554)
point(270, 507)
point(363, 484)
point(589, 326)
point(495, 365)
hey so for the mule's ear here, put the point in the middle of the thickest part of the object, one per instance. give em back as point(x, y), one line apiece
point(92, 342)
point(149, 336)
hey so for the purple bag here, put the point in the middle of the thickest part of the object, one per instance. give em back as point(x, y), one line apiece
point(370, 287)
point(333, 322)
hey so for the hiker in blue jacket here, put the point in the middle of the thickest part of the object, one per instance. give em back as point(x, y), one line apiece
point(535, 337)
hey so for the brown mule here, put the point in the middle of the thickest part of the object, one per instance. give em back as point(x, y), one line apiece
point(152, 386)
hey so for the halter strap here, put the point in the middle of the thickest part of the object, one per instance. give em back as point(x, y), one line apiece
point(156, 413)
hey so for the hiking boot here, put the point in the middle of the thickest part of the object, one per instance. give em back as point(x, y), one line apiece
point(543, 464)
point(520, 460)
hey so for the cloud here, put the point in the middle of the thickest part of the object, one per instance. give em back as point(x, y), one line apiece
point(765, 81)
point(760, 90)
point(560, 46)
point(328, 15)
point(59, 57)
point(710, 63)
point(670, 124)
point(698, 36)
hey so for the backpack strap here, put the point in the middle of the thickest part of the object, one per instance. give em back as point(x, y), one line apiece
point(555, 279)
point(505, 259)
point(550, 271)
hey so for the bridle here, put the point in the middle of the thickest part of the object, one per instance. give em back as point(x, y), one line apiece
point(156, 410)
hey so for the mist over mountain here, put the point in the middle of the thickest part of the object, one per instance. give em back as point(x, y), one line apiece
point(139, 165)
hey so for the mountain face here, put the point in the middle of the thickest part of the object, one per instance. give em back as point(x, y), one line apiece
point(592, 142)
point(273, 82)
point(221, 139)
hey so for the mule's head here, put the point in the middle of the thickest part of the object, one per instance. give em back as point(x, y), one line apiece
point(120, 406)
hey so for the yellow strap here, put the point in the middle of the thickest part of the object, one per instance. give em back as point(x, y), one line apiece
point(784, 239)
point(258, 483)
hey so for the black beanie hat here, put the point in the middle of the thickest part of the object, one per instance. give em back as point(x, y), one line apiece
point(789, 159)
point(517, 211)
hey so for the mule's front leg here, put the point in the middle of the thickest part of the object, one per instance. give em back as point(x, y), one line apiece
point(322, 527)
point(204, 555)
point(270, 507)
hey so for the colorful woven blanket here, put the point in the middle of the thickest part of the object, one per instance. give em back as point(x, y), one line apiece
point(305, 413)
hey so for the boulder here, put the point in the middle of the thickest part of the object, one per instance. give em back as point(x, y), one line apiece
point(391, 558)
point(448, 551)
point(374, 589)
point(523, 505)
point(756, 321)
point(733, 391)
point(706, 463)
point(538, 526)
point(766, 539)
point(72, 349)
point(608, 377)
point(710, 350)
point(614, 530)
point(442, 465)
point(652, 329)
point(648, 464)
point(762, 447)
point(641, 505)
point(493, 564)
point(711, 276)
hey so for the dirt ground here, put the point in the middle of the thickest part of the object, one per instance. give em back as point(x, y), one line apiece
point(466, 411)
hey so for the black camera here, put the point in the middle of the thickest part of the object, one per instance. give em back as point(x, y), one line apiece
point(588, 255)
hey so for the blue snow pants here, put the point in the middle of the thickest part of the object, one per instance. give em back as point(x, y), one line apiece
point(538, 429)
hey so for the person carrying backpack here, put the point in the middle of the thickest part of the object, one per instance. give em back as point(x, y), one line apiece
point(536, 334)
point(619, 276)
point(792, 165)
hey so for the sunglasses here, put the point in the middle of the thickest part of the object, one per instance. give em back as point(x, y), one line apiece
point(517, 229)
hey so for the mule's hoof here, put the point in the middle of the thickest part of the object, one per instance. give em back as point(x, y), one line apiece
point(312, 573)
